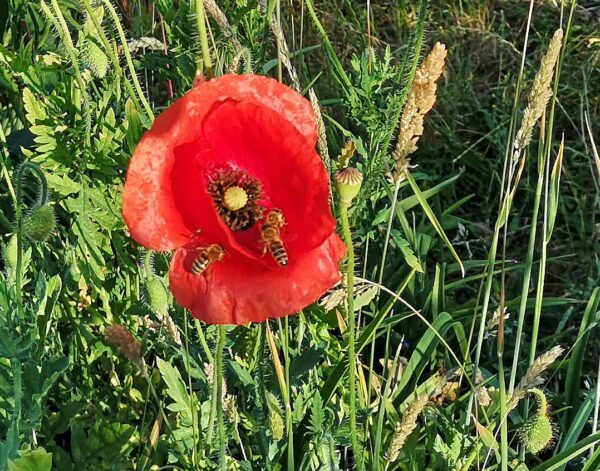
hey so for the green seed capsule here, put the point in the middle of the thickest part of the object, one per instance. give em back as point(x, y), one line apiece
point(39, 223)
point(348, 182)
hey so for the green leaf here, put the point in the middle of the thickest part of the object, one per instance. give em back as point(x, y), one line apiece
point(432, 218)
point(573, 381)
point(576, 450)
point(34, 460)
point(33, 106)
point(408, 253)
point(241, 373)
point(175, 386)
point(422, 353)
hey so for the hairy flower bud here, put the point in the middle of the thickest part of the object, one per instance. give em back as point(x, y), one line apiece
point(537, 433)
point(39, 223)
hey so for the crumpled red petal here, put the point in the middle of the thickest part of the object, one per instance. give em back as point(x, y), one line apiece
point(149, 209)
point(231, 292)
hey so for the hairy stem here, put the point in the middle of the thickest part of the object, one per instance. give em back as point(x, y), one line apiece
point(351, 333)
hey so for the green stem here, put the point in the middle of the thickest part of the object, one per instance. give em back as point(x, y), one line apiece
point(539, 295)
point(351, 333)
point(288, 404)
point(201, 24)
point(18, 396)
point(503, 414)
point(526, 281)
point(123, 39)
point(219, 390)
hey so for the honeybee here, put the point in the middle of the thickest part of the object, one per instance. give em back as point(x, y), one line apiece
point(275, 218)
point(269, 235)
point(206, 256)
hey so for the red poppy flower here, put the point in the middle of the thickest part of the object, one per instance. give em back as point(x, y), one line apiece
point(228, 177)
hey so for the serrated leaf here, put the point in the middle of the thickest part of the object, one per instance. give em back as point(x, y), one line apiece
point(175, 386)
point(33, 107)
point(62, 184)
point(408, 253)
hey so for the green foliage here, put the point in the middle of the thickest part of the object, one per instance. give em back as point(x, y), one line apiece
point(77, 110)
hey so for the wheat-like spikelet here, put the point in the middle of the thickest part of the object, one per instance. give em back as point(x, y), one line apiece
point(213, 10)
point(540, 94)
point(419, 102)
point(321, 135)
point(405, 427)
point(533, 377)
point(284, 53)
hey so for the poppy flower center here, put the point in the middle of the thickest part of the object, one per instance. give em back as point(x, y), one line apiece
point(237, 196)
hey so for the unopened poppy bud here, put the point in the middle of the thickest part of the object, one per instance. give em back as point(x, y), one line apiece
point(537, 433)
point(157, 296)
point(348, 182)
point(39, 223)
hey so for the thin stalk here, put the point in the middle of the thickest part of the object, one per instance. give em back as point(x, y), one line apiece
point(503, 413)
point(195, 427)
point(596, 406)
point(539, 295)
point(351, 333)
point(389, 230)
point(526, 281)
point(201, 24)
point(288, 406)
point(18, 397)
point(146, 376)
point(219, 390)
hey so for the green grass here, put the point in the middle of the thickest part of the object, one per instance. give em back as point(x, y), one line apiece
point(326, 388)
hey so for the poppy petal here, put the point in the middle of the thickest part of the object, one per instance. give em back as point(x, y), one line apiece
point(149, 209)
point(230, 292)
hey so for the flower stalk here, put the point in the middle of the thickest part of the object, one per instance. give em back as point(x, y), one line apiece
point(348, 184)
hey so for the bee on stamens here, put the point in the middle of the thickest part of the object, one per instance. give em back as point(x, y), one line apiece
point(271, 239)
point(206, 256)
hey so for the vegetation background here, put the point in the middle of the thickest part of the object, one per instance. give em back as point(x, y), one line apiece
point(80, 81)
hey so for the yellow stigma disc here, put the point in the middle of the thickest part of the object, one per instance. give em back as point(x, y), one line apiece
point(235, 198)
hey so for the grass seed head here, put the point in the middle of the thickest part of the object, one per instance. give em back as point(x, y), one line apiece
point(405, 427)
point(540, 94)
point(419, 102)
point(534, 375)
